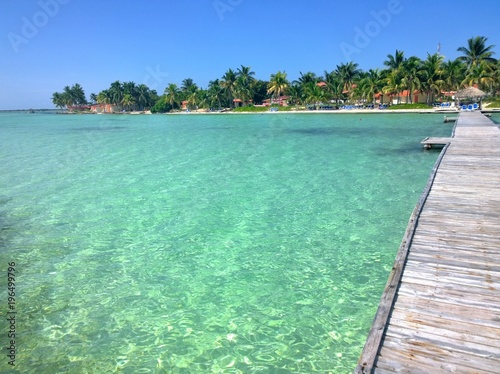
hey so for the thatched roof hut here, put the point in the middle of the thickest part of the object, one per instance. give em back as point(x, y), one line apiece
point(471, 95)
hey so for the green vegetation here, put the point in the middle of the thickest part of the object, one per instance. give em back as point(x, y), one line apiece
point(492, 103)
point(252, 109)
point(71, 96)
point(124, 96)
point(128, 96)
point(400, 82)
point(409, 106)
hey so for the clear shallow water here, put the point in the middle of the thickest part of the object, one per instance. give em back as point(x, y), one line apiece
point(198, 244)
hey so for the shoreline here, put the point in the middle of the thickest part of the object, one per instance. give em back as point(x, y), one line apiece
point(337, 111)
point(341, 111)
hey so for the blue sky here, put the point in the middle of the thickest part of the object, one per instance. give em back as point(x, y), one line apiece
point(48, 44)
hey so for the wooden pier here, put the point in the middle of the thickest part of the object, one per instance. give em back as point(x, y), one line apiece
point(433, 142)
point(440, 310)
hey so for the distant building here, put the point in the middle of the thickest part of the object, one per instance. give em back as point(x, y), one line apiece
point(281, 101)
point(78, 108)
point(104, 108)
point(403, 97)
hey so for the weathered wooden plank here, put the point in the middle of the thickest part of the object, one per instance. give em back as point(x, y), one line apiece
point(458, 345)
point(452, 276)
point(429, 235)
point(435, 282)
point(392, 361)
point(457, 349)
point(473, 227)
point(424, 353)
point(462, 253)
point(418, 319)
point(444, 310)
point(465, 343)
point(456, 257)
point(472, 277)
point(458, 245)
point(450, 294)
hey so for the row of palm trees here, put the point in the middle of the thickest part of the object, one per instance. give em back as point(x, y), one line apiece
point(69, 97)
point(127, 95)
point(239, 84)
point(400, 77)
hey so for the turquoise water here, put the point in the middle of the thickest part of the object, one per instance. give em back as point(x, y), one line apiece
point(203, 243)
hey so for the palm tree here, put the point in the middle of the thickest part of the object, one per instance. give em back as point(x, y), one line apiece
point(259, 91)
point(294, 93)
point(394, 83)
point(128, 101)
point(395, 62)
point(68, 96)
point(193, 98)
point(453, 75)
point(244, 83)
point(302, 82)
point(215, 93)
point(371, 84)
point(348, 74)
point(307, 78)
point(104, 97)
point(152, 97)
point(58, 100)
point(334, 85)
point(481, 75)
point(203, 99)
point(278, 84)
point(188, 85)
point(395, 74)
point(143, 96)
point(229, 84)
point(476, 52)
point(243, 88)
point(411, 76)
point(432, 76)
point(129, 88)
point(314, 94)
point(247, 73)
point(78, 94)
point(172, 94)
point(116, 92)
point(496, 74)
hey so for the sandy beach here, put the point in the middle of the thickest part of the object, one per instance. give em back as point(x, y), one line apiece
point(339, 111)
